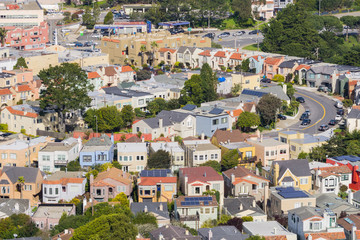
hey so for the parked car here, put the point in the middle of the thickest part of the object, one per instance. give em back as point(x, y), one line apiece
point(254, 32)
point(332, 122)
point(306, 121)
point(323, 127)
point(300, 99)
point(65, 30)
point(78, 44)
point(70, 45)
point(339, 104)
point(238, 33)
point(224, 35)
point(304, 116)
point(88, 44)
point(307, 111)
point(266, 80)
point(340, 112)
point(281, 117)
point(323, 89)
point(338, 117)
point(209, 35)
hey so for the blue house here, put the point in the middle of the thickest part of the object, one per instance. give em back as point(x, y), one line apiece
point(98, 150)
point(257, 62)
point(208, 122)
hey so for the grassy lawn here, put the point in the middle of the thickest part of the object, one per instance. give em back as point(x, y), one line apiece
point(352, 42)
point(252, 47)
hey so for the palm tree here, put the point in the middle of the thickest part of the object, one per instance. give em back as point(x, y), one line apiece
point(21, 183)
point(142, 51)
point(2, 36)
point(154, 45)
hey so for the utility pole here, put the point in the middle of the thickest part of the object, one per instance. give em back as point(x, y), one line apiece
point(319, 6)
point(29, 151)
point(96, 125)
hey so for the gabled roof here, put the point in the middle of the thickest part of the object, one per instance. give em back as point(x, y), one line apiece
point(13, 173)
point(110, 71)
point(273, 61)
point(22, 88)
point(334, 170)
point(14, 111)
point(14, 206)
point(240, 172)
point(287, 64)
point(354, 113)
point(115, 174)
point(170, 232)
point(247, 202)
point(5, 91)
point(133, 139)
point(236, 56)
point(301, 66)
point(298, 167)
point(92, 75)
point(235, 113)
point(257, 57)
point(223, 233)
point(230, 135)
point(220, 54)
point(103, 140)
point(126, 69)
point(153, 181)
point(203, 174)
point(306, 212)
point(346, 224)
point(182, 49)
point(326, 235)
point(151, 207)
point(167, 50)
point(169, 118)
point(205, 53)
point(248, 106)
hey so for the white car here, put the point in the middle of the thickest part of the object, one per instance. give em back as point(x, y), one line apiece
point(338, 117)
point(98, 35)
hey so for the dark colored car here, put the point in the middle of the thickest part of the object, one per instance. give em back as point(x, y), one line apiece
point(78, 44)
point(306, 121)
point(266, 80)
point(300, 99)
point(304, 116)
point(209, 35)
point(323, 127)
point(88, 44)
point(332, 122)
point(281, 117)
point(224, 35)
point(254, 32)
point(340, 112)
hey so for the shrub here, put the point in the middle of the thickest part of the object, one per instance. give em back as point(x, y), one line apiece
point(278, 78)
point(3, 127)
point(23, 131)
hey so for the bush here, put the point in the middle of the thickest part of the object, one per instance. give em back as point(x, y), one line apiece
point(23, 131)
point(278, 78)
point(3, 127)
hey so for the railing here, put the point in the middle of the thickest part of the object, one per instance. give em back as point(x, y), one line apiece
point(248, 160)
point(61, 162)
point(190, 218)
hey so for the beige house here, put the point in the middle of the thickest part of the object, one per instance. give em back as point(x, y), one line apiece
point(132, 156)
point(126, 49)
point(269, 150)
point(38, 62)
point(198, 152)
point(168, 55)
point(18, 152)
point(25, 15)
point(28, 117)
point(299, 142)
point(246, 80)
point(281, 203)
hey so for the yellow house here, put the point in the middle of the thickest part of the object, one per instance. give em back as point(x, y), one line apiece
point(290, 173)
point(300, 142)
point(247, 157)
point(246, 80)
point(157, 189)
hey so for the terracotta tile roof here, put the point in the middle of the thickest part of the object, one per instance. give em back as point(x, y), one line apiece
point(256, 57)
point(110, 40)
point(278, 237)
point(21, 113)
point(151, 181)
point(273, 61)
point(239, 180)
point(115, 174)
point(22, 88)
point(133, 139)
point(316, 219)
point(5, 91)
point(241, 172)
point(63, 235)
point(301, 66)
point(205, 53)
point(126, 69)
point(235, 113)
point(327, 235)
point(143, 42)
point(159, 41)
point(110, 71)
point(102, 184)
point(167, 50)
point(162, 139)
point(248, 106)
point(65, 181)
point(334, 170)
point(92, 75)
point(203, 41)
point(236, 56)
point(220, 54)
point(203, 174)
point(232, 136)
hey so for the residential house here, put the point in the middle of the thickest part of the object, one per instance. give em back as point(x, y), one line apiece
point(197, 180)
point(6, 97)
point(95, 79)
point(307, 220)
point(14, 77)
point(207, 57)
point(351, 226)
point(283, 199)
point(221, 233)
point(264, 10)
point(301, 142)
point(198, 152)
point(224, 83)
point(157, 186)
point(246, 80)
point(23, 92)
point(63, 186)
point(65, 235)
point(58, 154)
point(194, 211)
point(335, 204)
point(244, 206)
point(235, 59)
point(301, 72)
point(330, 179)
point(98, 150)
point(21, 152)
point(176, 152)
point(255, 95)
point(157, 209)
point(112, 75)
point(168, 123)
point(271, 66)
point(354, 198)
point(132, 157)
point(229, 136)
point(100, 99)
point(256, 63)
point(294, 173)
point(27, 118)
point(269, 150)
point(32, 185)
point(189, 56)
point(288, 67)
point(110, 183)
point(171, 232)
point(281, 4)
point(167, 55)
point(47, 216)
point(353, 120)
point(240, 181)
point(322, 75)
point(9, 207)
point(247, 156)
point(269, 230)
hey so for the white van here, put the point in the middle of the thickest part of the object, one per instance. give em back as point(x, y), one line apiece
point(339, 104)
point(65, 30)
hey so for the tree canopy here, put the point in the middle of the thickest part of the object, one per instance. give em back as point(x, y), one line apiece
point(214, 164)
point(109, 18)
point(248, 121)
point(159, 159)
point(19, 224)
point(230, 159)
point(21, 63)
point(268, 107)
point(108, 119)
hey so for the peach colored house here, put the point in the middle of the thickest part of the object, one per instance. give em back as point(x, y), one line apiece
point(168, 55)
point(13, 77)
point(47, 216)
point(9, 187)
point(5, 97)
point(271, 66)
point(157, 189)
point(18, 152)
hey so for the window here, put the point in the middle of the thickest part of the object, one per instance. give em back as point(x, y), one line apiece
point(168, 188)
point(272, 153)
point(4, 156)
point(12, 155)
point(315, 225)
point(141, 102)
point(45, 157)
point(282, 151)
point(125, 158)
point(61, 157)
point(216, 156)
point(303, 181)
point(216, 186)
point(101, 157)
point(267, 153)
point(87, 158)
point(50, 191)
point(197, 190)
point(207, 210)
point(344, 177)
point(215, 121)
point(56, 191)
point(248, 154)
point(282, 139)
point(120, 158)
point(247, 81)
point(331, 182)
point(46, 168)
point(201, 157)
point(195, 157)
point(224, 120)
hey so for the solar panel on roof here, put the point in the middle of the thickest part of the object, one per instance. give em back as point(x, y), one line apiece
point(253, 93)
point(348, 220)
point(189, 107)
point(216, 111)
point(206, 203)
point(155, 173)
point(295, 194)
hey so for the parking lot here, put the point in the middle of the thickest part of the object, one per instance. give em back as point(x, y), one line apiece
point(238, 41)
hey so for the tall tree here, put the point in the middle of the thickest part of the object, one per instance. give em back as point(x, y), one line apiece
point(108, 119)
point(154, 46)
point(109, 18)
point(268, 107)
point(128, 115)
point(248, 121)
point(96, 13)
point(20, 63)
point(208, 83)
point(192, 91)
point(3, 33)
point(159, 159)
point(242, 9)
point(66, 88)
point(156, 106)
point(20, 184)
point(142, 52)
point(230, 159)
point(350, 22)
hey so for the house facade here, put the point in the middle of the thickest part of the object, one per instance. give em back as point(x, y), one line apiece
point(98, 150)
point(198, 152)
point(132, 156)
point(173, 148)
point(47, 216)
point(156, 189)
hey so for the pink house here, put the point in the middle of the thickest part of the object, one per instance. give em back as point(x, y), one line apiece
point(47, 216)
point(271, 66)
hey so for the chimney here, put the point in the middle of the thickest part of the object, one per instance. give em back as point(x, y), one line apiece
point(187, 232)
point(353, 233)
point(254, 203)
point(202, 136)
point(210, 235)
point(142, 139)
point(241, 207)
point(160, 123)
point(145, 209)
point(232, 178)
point(350, 197)
point(161, 208)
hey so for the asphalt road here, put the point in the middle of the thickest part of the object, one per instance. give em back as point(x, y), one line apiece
point(238, 41)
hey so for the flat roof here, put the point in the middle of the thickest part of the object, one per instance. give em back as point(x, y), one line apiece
point(266, 228)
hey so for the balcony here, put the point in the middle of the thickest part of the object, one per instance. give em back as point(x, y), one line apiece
point(248, 160)
point(60, 162)
point(190, 218)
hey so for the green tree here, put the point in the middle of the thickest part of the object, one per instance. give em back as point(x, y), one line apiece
point(214, 164)
point(109, 119)
point(278, 78)
point(347, 103)
point(248, 121)
point(230, 159)
point(290, 90)
point(96, 13)
point(19, 224)
point(332, 24)
point(318, 154)
point(127, 115)
point(245, 65)
point(192, 91)
point(21, 63)
point(350, 22)
point(159, 159)
point(208, 83)
point(268, 107)
point(122, 198)
point(156, 106)
point(145, 218)
point(154, 46)
point(236, 89)
point(109, 18)
point(142, 53)
point(242, 9)
point(20, 185)
point(114, 226)
point(66, 88)
point(88, 19)
point(3, 33)
point(72, 166)
point(173, 104)
point(353, 147)
point(255, 237)
point(303, 155)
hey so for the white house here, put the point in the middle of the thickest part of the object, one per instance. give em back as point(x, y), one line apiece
point(58, 154)
point(132, 156)
point(353, 120)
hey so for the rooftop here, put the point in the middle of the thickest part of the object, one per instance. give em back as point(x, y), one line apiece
point(171, 147)
point(169, 232)
point(20, 144)
point(298, 167)
point(267, 142)
point(289, 193)
point(54, 211)
point(243, 204)
point(63, 178)
point(157, 208)
point(189, 202)
point(222, 233)
point(30, 174)
point(266, 228)
point(203, 174)
point(131, 147)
